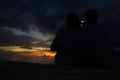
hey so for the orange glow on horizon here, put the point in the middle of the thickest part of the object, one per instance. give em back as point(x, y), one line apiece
point(40, 55)
point(35, 51)
point(44, 53)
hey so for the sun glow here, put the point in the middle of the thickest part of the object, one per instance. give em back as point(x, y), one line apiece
point(34, 51)
point(44, 53)
point(15, 49)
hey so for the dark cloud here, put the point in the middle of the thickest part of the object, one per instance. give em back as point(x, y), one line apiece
point(7, 38)
point(46, 14)
point(13, 11)
point(13, 22)
point(26, 47)
point(49, 15)
point(53, 13)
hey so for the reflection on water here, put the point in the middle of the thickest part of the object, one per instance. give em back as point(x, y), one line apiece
point(35, 57)
point(41, 60)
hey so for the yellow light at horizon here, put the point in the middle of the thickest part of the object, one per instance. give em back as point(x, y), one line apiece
point(51, 54)
point(35, 51)
point(15, 49)
point(45, 53)
point(19, 49)
point(41, 48)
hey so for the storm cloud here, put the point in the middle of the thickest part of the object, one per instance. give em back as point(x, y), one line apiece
point(49, 15)
point(46, 14)
point(7, 38)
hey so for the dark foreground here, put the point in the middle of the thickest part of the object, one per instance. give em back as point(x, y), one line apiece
point(29, 71)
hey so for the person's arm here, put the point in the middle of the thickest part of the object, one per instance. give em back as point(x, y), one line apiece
point(55, 46)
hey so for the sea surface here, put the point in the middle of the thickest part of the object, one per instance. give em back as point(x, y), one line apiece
point(27, 57)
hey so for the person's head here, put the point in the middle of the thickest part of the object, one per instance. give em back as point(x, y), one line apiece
point(91, 16)
point(72, 20)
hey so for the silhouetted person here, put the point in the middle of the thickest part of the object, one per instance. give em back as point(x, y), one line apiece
point(101, 51)
point(69, 43)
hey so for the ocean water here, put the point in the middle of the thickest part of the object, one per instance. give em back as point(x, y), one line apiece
point(26, 57)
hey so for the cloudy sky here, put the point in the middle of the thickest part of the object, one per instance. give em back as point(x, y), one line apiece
point(34, 23)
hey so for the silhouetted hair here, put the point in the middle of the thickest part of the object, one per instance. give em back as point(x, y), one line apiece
point(72, 20)
point(91, 16)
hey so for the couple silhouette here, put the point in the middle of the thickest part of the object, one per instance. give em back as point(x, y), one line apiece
point(78, 46)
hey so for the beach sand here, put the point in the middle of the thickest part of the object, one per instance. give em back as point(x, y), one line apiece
point(30, 71)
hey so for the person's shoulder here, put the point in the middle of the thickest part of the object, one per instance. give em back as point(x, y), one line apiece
point(62, 30)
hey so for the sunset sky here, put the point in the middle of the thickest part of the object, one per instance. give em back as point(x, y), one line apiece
point(27, 27)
